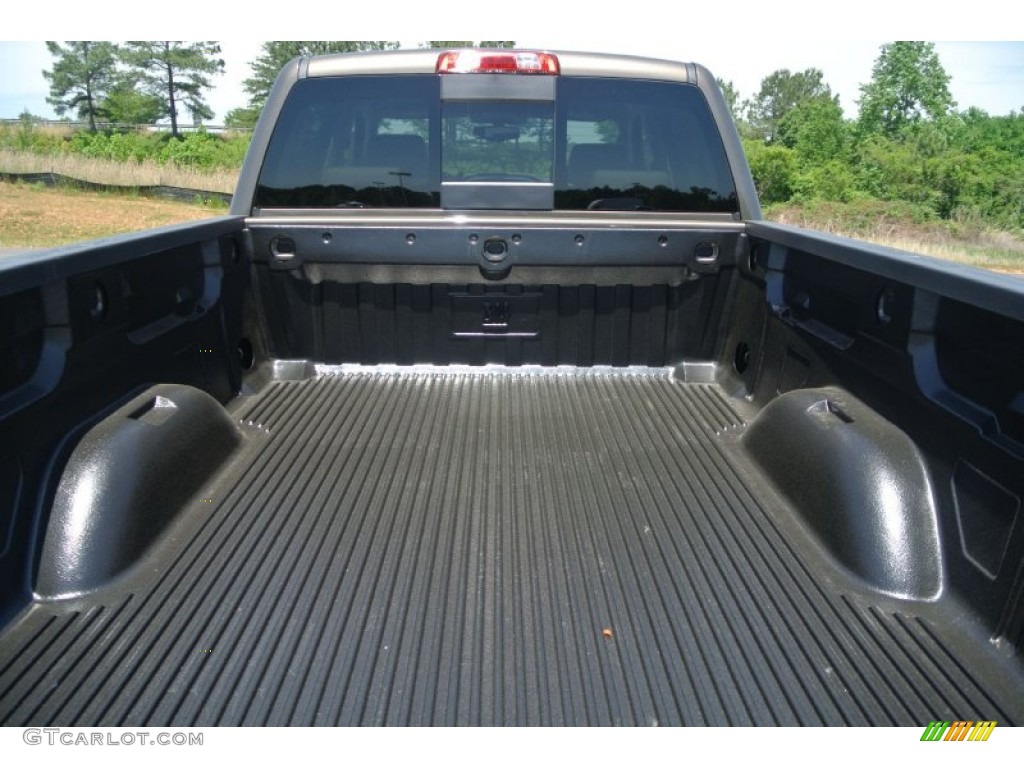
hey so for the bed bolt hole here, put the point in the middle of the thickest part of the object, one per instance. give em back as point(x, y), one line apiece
point(663, 241)
point(98, 303)
point(327, 237)
point(884, 306)
point(410, 239)
point(741, 361)
point(578, 239)
point(517, 239)
point(246, 356)
point(474, 238)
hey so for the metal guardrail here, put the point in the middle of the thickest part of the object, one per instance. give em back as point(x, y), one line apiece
point(149, 190)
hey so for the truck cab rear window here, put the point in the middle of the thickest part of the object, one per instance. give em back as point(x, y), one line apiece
point(387, 142)
point(354, 142)
point(497, 141)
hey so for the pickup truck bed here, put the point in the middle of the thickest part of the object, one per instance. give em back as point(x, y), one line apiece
point(494, 401)
point(470, 546)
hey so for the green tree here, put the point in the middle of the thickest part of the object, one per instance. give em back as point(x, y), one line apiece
point(469, 44)
point(272, 59)
point(732, 97)
point(447, 44)
point(908, 85)
point(981, 171)
point(176, 72)
point(781, 92)
point(27, 119)
point(894, 169)
point(819, 136)
point(84, 72)
point(832, 180)
point(774, 169)
point(127, 104)
point(242, 118)
point(815, 129)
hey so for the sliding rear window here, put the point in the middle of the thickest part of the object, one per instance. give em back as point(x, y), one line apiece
point(389, 142)
point(639, 145)
point(355, 142)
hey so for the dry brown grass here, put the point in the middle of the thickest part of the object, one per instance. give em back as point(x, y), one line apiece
point(989, 249)
point(34, 216)
point(100, 171)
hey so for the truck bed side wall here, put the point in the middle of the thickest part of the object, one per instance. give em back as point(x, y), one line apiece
point(84, 328)
point(932, 347)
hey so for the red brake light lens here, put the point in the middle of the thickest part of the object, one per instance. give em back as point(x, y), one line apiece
point(502, 62)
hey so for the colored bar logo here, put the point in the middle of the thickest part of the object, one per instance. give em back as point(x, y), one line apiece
point(960, 730)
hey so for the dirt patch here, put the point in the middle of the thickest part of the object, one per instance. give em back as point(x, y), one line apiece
point(40, 217)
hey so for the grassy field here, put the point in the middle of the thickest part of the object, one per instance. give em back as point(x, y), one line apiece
point(963, 242)
point(101, 171)
point(37, 216)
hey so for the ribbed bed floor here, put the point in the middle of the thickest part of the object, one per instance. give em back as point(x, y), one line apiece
point(451, 549)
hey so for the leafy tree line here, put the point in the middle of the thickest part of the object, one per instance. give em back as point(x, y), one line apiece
point(908, 143)
point(139, 81)
point(196, 150)
point(275, 54)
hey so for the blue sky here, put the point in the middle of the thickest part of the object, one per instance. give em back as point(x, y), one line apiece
point(792, 34)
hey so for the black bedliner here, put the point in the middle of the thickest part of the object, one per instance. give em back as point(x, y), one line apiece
point(431, 548)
